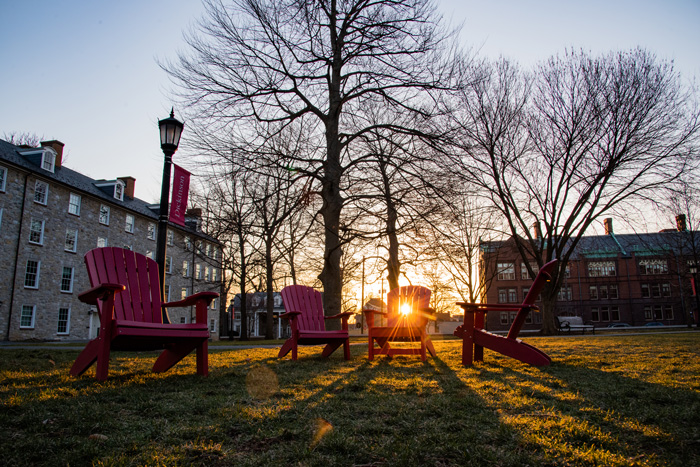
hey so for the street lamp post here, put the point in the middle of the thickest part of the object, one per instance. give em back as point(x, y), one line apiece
point(170, 131)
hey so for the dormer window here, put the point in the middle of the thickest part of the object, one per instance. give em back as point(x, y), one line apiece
point(48, 160)
point(119, 191)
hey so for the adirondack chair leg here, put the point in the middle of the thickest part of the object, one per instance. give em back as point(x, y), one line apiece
point(423, 356)
point(286, 347)
point(86, 358)
point(429, 345)
point(330, 348)
point(478, 324)
point(103, 351)
point(173, 354)
point(203, 359)
point(468, 339)
point(370, 350)
point(346, 349)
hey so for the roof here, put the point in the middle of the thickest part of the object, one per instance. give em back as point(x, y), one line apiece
point(10, 154)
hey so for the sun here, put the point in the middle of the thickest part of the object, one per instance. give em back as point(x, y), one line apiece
point(405, 309)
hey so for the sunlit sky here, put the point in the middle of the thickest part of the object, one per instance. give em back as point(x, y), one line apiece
point(85, 72)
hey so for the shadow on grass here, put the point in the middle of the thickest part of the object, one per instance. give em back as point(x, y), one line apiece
point(593, 406)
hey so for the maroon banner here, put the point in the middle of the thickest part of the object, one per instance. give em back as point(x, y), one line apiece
point(181, 189)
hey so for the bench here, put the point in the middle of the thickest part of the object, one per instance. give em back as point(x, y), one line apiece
point(573, 323)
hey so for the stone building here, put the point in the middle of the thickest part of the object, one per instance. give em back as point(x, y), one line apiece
point(50, 216)
point(610, 279)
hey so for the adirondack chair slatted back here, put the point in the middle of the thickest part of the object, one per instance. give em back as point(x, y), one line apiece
point(139, 274)
point(543, 276)
point(417, 297)
point(307, 301)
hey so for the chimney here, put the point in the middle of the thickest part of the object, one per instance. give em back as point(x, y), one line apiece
point(56, 146)
point(130, 183)
point(608, 225)
point(680, 222)
point(536, 230)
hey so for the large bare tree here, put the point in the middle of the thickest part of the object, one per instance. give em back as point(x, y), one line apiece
point(589, 136)
point(255, 67)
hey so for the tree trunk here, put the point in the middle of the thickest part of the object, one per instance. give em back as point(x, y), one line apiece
point(269, 322)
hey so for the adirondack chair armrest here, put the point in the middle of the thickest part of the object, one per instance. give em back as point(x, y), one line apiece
point(345, 315)
point(290, 315)
point(192, 299)
point(100, 293)
point(484, 308)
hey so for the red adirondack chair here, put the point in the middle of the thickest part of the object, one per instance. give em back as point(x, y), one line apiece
point(408, 313)
point(304, 308)
point(126, 291)
point(475, 338)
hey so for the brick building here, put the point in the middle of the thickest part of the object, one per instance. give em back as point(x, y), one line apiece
point(629, 278)
point(50, 216)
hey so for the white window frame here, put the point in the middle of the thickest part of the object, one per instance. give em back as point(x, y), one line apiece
point(506, 271)
point(168, 264)
point(37, 274)
point(186, 269)
point(198, 271)
point(212, 305)
point(66, 321)
point(75, 240)
point(3, 178)
point(184, 293)
point(151, 232)
point(74, 201)
point(33, 232)
point(45, 198)
point(32, 314)
point(171, 238)
point(104, 214)
point(70, 280)
point(102, 242)
point(48, 160)
point(119, 191)
point(129, 223)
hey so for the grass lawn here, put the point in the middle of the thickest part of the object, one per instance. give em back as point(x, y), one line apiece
point(606, 400)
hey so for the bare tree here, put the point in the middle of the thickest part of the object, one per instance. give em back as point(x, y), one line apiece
point(23, 139)
point(258, 66)
point(592, 135)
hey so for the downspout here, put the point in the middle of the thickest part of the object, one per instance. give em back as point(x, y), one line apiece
point(14, 275)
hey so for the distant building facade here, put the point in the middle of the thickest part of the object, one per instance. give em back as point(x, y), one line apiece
point(629, 278)
point(256, 314)
point(50, 216)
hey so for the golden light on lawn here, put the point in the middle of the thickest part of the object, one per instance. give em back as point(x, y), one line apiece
point(261, 382)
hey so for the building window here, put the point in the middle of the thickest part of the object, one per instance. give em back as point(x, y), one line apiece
point(612, 292)
point(183, 320)
point(668, 311)
point(170, 238)
point(188, 243)
point(31, 274)
point(119, 191)
point(151, 235)
point(506, 271)
point(601, 269)
point(653, 266)
point(504, 318)
point(3, 179)
point(71, 240)
point(26, 319)
point(184, 293)
point(666, 289)
point(604, 313)
point(166, 292)
point(212, 305)
point(564, 293)
point(207, 273)
point(74, 204)
point(214, 274)
point(212, 325)
point(67, 280)
point(101, 242)
point(593, 292)
point(104, 214)
point(63, 320)
point(208, 250)
point(615, 313)
point(198, 271)
point(509, 295)
point(186, 271)
point(48, 160)
point(150, 254)
point(524, 275)
point(595, 314)
point(36, 232)
point(129, 225)
point(168, 264)
point(41, 192)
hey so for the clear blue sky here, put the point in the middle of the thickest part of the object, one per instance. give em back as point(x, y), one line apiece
point(85, 72)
